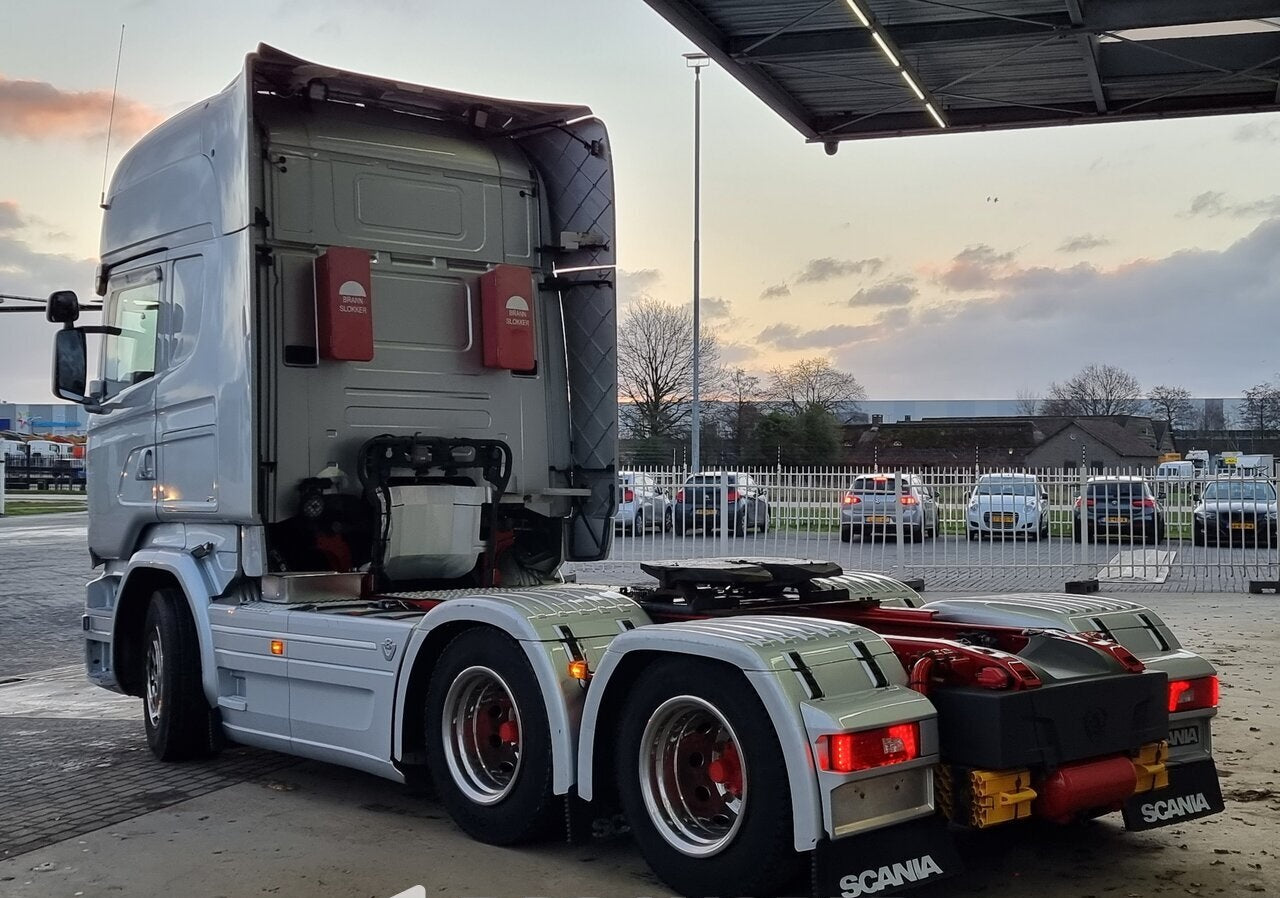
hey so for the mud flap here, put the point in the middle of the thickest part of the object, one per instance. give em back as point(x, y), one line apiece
point(885, 861)
point(1193, 791)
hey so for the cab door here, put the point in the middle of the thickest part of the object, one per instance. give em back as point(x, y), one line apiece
point(122, 460)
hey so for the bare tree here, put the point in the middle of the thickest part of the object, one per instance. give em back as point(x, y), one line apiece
point(1028, 403)
point(1172, 405)
point(655, 367)
point(814, 384)
point(1095, 390)
point(1261, 411)
point(741, 409)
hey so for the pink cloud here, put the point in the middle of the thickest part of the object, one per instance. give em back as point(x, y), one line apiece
point(37, 110)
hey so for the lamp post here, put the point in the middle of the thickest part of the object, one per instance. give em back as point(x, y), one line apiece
point(697, 61)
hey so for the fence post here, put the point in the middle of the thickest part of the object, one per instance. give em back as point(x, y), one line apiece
point(725, 522)
point(898, 483)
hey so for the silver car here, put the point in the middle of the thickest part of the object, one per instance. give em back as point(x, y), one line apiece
point(870, 507)
point(642, 504)
point(1008, 505)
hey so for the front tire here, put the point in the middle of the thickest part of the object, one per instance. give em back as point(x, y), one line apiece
point(488, 742)
point(702, 782)
point(180, 725)
point(846, 533)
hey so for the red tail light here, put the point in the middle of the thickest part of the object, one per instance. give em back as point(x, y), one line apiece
point(733, 496)
point(909, 500)
point(1144, 503)
point(850, 752)
point(628, 495)
point(1088, 502)
point(851, 499)
point(679, 495)
point(1193, 695)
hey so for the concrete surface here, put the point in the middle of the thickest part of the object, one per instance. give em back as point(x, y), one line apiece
point(85, 809)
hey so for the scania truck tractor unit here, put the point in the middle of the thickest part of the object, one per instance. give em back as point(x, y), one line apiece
point(357, 405)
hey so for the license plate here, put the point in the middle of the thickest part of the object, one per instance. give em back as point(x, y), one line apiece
point(1002, 519)
point(1241, 525)
point(706, 511)
point(1193, 791)
point(878, 519)
point(886, 861)
point(1117, 519)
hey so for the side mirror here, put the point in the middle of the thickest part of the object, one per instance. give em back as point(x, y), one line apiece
point(69, 363)
point(63, 307)
point(1160, 496)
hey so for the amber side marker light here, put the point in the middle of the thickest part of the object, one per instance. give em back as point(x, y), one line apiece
point(277, 646)
point(579, 670)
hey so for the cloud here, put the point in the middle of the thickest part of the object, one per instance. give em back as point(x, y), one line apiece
point(38, 110)
point(788, 336)
point(897, 292)
point(974, 268)
point(1044, 323)
point(637, 284)
point(736, 353)
point(26, 341)
point(1082, 242)
point(715, 307)
point(10, 218)
point(775, 291)
point(1214, 204)
point(818, 271)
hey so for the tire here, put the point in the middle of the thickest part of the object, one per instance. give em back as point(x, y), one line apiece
point(668, 521)
point(846, 533)
point(498, 789)
point(973, 535)
point(752, 854)
point(637, 525)
point(740, 525)
point(180, 725)
point(1198, 537)
point(682, 526)
point(762, 525)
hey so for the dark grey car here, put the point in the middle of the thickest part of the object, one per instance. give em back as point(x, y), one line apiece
point(1120, 506)
point(1236, 511)
point(698, 504)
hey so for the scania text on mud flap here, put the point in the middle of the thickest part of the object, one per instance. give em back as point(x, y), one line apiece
point(330, 516)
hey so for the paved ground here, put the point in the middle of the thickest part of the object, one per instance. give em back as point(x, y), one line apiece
point(85, 809)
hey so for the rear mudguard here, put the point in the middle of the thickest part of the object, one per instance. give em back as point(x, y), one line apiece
point(765, 649)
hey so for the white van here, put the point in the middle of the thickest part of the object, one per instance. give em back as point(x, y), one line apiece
point(1176, 471)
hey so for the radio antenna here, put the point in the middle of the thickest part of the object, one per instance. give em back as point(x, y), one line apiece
point(111, 117)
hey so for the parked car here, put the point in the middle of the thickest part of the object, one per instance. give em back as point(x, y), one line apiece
point(1123, 505)
point(642, 504)
point(1008, 505)
point(870, 507)
point(1235, 510)
point(697, 504)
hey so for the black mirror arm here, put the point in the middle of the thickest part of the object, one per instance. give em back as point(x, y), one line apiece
point(101, 329)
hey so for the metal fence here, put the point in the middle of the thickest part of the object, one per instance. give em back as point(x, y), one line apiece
point(965, 528)
point(41, 472)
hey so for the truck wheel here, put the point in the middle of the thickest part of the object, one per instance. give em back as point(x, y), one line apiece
point(180, 725)
point(702, 781)
point(488, 742)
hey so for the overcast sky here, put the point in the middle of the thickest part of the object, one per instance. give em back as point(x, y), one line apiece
point(937, 267)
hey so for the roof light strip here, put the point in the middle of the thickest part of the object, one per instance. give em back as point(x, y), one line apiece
point(867, 18)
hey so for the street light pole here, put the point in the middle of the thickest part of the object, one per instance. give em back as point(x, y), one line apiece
point(697, 61)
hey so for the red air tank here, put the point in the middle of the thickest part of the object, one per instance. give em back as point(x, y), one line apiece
point(344, 305)
point(506, 315)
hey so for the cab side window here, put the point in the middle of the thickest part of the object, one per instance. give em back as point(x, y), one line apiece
point(129, 357)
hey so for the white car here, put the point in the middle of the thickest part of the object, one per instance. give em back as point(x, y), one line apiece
point(642, 504)
point(1008, 505)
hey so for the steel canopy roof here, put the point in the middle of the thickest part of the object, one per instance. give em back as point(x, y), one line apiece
point(987, 64)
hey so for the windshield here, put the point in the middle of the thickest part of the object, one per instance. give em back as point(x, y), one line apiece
point(1007, 488)
point(1259, 491)
point(1118, 489)
point(875, 485)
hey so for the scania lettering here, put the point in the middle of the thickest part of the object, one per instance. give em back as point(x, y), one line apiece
point(335, 471)
point(871, 882)
point(1175, 807)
